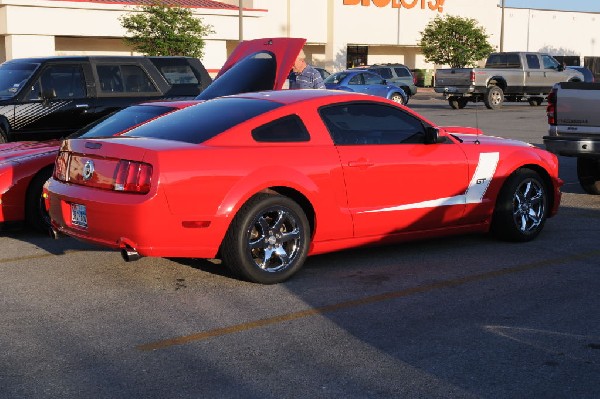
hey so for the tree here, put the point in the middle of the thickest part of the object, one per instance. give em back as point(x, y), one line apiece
point(454, 41)
point(160, 29)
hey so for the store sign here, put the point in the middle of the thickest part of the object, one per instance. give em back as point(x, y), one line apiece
point(433, 5)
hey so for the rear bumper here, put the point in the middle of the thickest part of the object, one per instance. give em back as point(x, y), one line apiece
point(455, 91)
point(140, 222)
point(572, 146)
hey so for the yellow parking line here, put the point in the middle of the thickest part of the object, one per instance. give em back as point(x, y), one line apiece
point(358, 302)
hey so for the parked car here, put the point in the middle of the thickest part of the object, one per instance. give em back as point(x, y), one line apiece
point(397, 74)
point(367, 82)
point(510, 76)
point(324, 72)
point(25, 166)
point(51, 97)
point(261, 180)
point(588, 76)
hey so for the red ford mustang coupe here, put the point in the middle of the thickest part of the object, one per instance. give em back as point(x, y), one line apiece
point(262, 180)
point(25, 166)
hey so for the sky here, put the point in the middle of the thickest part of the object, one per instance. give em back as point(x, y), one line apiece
point(567, 5)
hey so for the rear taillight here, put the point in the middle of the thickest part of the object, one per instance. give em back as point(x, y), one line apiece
point(472, 76)
point(551, 107)
point(133, 177)
point(61, 166)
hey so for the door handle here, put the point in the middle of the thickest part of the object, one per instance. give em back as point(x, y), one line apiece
point(82, 106)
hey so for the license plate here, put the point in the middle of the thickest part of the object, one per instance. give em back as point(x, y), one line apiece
point(451, 89)
point(78, 215)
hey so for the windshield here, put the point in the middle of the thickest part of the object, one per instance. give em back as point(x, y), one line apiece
point(13, 75)
point(122, 120)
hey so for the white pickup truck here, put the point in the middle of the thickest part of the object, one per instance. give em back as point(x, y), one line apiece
point(510, 76)
point(574, 129)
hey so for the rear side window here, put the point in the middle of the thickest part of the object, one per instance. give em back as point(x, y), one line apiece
point(385, 73)
point(533, 62)
point(201, 122)
point(179, 74)
point(287, 129)
point(124, 79)
point(402, 72)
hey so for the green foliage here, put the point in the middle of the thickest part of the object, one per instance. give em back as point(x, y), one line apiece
point(160, 29)
point(454, 41)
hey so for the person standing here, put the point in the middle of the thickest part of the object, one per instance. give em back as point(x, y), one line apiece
point(304, 76)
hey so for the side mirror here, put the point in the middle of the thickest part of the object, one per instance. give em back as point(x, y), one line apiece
point(48, 94)
point(560, 68)
point(432, 135)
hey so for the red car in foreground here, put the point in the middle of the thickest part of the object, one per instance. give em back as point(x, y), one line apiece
point(25, 166)
point(261, 180)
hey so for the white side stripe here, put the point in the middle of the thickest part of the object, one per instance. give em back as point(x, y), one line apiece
point(484, 173)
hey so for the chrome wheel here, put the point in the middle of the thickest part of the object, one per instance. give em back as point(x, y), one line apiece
point(267, 241)
point(521, 207)
point(274, 239)
point(529, 205)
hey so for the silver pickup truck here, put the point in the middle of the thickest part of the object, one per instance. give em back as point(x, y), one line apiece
point(574, 129)
point(508, 76)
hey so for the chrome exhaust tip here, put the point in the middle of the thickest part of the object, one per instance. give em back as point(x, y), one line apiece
point(129, 254)
point(54, 234)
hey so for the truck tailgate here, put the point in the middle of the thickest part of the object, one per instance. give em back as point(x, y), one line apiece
point(453, 77)
point(578, 107)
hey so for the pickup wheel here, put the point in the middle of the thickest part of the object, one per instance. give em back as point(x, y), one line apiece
point(457, 102)
point(521, 207)
point(494, 97)
point(535, 101)
point(588, 173)
point(268, 240)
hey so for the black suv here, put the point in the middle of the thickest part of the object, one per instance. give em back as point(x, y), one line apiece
point(397, 74)
point(51, 97)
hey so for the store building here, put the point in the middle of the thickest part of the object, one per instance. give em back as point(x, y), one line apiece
point(339, 33)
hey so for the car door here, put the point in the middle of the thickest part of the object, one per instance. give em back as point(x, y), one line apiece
point(375, 85)
point(394, 181)
point(56, 104)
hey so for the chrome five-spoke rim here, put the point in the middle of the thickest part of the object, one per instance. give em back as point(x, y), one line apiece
point(274, 239)
point(529, 205)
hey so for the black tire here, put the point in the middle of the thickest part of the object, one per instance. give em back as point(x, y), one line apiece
point(535, 101)
point(267, 241)
point(494, 97)
point(521, 207)
point(398, 98)
point(35, 209)
point(3, 136)
point(588, 173)
point(453, 102)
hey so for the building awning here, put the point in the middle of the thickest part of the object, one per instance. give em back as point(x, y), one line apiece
point(176, 3)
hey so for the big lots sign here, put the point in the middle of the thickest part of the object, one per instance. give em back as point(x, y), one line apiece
point(433, 5)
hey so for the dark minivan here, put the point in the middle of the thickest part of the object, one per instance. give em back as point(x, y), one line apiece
point(51, 97)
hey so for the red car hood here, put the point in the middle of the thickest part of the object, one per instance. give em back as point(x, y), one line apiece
point(24, 149)
point(474, 135)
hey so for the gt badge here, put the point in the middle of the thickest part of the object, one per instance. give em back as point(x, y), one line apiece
point(88, 169)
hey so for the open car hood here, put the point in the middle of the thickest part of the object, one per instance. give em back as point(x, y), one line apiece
point(255, 65)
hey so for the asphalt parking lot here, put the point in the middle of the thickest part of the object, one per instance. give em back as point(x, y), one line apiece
point(459, 317)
